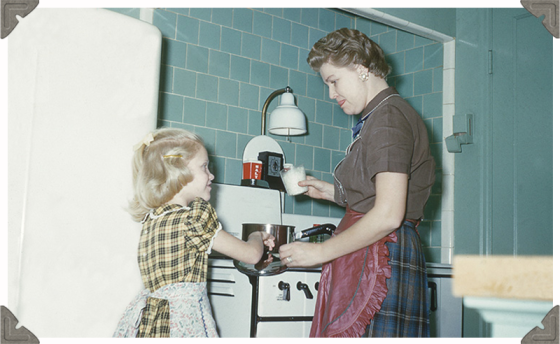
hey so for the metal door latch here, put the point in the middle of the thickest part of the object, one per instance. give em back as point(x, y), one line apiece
point(462, 133)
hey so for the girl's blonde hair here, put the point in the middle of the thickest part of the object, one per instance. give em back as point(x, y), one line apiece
point(159, 168)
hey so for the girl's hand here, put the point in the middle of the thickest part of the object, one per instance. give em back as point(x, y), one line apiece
point(301, 254)
point(266, 238)
point(318, 189)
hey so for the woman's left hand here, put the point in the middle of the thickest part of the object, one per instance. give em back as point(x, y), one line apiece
point(301, 254)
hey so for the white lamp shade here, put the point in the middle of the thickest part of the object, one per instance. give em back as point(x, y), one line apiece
point(287, 119)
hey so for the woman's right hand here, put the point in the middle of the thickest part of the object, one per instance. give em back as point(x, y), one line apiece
point(318, 188)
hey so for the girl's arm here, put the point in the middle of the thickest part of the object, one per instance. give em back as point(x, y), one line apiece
point(386, 216)
point(249, 252)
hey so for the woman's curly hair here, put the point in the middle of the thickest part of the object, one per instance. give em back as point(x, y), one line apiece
point(344, 47)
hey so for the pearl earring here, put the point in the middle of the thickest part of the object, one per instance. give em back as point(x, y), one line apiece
point(364, 76)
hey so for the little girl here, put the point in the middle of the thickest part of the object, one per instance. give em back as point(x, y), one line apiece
point(172, 186)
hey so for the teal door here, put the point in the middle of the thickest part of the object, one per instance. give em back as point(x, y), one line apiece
point(503, 182)
point(522, 158)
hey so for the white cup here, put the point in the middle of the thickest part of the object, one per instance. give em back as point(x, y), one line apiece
point(291, 176)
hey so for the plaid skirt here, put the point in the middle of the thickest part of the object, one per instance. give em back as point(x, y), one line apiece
point(352, 287)
point(405, 310)
point(175, 310)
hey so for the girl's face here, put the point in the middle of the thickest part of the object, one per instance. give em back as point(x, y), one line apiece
point(200, 186)
point(346, 87)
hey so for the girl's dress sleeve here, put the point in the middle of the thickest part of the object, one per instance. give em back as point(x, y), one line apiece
point(202, 226)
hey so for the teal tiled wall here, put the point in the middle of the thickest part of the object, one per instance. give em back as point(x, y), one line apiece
point(220, 64)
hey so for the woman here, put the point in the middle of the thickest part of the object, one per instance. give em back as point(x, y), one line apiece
point(374, 280)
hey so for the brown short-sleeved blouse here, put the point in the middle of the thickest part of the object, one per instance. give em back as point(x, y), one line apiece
point(393, 139)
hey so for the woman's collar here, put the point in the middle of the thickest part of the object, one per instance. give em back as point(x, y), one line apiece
point(379, 97)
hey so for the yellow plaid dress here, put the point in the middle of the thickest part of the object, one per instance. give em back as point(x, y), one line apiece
point(173, 255)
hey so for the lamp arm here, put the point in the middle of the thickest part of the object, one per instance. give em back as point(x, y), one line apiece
point(267, 102)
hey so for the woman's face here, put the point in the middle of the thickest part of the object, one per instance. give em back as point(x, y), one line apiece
point(346, 87)
point(200, 186)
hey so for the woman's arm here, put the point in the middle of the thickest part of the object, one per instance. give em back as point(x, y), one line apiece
point(386, 216)
point(249, 251)
point(318, 189)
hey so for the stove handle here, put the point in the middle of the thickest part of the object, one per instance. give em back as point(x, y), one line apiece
point(433, 287)
point(305, 288)
point(285, 287)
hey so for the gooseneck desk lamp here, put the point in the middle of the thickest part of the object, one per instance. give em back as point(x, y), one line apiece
point(287, 119)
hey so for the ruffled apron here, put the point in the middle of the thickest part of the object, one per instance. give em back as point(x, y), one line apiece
point(352, 287)
point(175, 310)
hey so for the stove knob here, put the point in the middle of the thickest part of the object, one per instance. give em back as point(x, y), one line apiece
point(285, 287)
point(317, 286)
point(305, 288)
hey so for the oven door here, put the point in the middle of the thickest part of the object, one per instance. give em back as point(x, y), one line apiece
point(286, 303)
